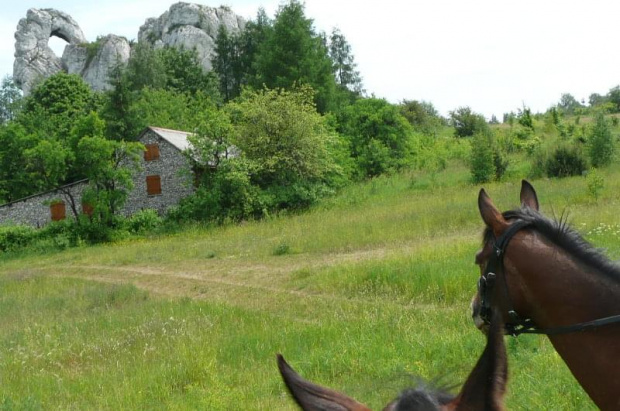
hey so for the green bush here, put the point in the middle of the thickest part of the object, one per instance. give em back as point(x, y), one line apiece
point(14, 237)
point(481, 164)
point(144, 220)
point(565, 161)
point(600, 143)
point(225, 194)
point(381, 139)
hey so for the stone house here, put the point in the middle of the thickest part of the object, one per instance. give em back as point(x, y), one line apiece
point(164, 178)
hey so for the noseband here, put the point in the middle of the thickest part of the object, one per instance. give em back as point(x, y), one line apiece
point(517, 325)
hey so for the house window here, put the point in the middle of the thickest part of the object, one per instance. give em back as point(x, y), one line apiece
point(57, 211)
point(153, 185)
point(152, 152)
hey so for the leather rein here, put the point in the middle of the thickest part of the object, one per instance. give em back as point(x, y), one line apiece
point(517, 324)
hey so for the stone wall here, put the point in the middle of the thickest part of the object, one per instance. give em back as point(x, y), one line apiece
point(172, 167)
point(174, 171)
point(35, 210)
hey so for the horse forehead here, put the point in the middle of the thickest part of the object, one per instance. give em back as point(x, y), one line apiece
point(415, 400)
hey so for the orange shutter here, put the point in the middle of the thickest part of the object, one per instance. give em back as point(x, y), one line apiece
point(58, 211)
point(87, 209)
point(152, 152)
point(153, 185)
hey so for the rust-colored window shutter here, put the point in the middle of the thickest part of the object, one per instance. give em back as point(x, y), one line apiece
point(87, 209)
point(58, 211)
point(152, 152)
point(153, 185)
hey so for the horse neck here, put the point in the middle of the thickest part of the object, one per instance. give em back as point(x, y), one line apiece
point(560, 289)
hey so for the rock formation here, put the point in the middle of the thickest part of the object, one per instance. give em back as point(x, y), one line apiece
point(95, 61)
point(184, 25)
point(33, 56)
point(190, 26)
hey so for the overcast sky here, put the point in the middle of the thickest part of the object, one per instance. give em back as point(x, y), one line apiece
point(491, 55)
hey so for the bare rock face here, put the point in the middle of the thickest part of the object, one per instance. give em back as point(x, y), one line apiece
point(190, 26)
point(184, 25)
point(34, 59)
point(95, 61)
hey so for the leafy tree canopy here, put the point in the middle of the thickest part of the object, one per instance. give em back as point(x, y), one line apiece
point(466, 122)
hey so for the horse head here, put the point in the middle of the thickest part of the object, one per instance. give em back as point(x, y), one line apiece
point(507, 293)
point(483, 390)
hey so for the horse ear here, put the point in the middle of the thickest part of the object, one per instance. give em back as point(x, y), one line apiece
point(313, 397)
point(491, 216)
point(528, 196)
point(486, 385)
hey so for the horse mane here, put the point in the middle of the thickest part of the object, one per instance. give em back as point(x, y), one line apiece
point(422, 399)
point(564, 236)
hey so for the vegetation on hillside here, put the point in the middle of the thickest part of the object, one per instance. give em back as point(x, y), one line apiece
point(292, 101)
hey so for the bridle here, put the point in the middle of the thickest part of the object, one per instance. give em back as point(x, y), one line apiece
point(517, 325)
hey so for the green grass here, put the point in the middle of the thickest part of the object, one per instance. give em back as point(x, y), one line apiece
point(360, 293)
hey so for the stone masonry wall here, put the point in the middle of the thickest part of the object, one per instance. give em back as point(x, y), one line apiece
point(172, 167)
point(35, 210)
point(176, 178)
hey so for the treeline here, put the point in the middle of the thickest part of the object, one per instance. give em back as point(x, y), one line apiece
point(288, 99)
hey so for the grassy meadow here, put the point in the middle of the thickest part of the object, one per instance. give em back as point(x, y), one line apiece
point(365, 293)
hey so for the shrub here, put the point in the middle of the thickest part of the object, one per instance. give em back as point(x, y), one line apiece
point(381, 139)
point(481, 163)
point(565, 161)
point(467, 123)
point(600, 143)
point(595, 183)
point(225, 194)
point(144, 220)
point(14, 237)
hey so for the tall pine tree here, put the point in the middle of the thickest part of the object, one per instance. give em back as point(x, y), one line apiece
point(294, 53)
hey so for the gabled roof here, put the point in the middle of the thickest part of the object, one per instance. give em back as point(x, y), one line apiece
point(175, 137)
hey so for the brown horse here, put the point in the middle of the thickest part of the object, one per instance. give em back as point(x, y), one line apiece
point(483, 391)
point(543, 277)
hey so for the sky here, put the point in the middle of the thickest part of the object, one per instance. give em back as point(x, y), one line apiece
point(494, 56)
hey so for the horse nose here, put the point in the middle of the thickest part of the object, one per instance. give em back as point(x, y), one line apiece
point(475, 313)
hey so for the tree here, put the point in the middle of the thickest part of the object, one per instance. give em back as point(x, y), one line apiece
point(467, 123)
point(226, 63)
point(482, 166)
point(421, 115)
point(292, 150)
point(109, 165)
point(600, 142)
point(524, 117)
point(596, 99)
point(185, 74)
point(343, 63)
point(15, 181)
point(568, 104)
point(10, 100)
point(294, 54)
point(381, 139)
point(211, 144)
point(613, 96)
point(56, 105)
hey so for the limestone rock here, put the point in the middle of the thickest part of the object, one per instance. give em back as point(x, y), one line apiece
point(94, 62)
point(191, 26)
point(184, 25)
point(34, 59)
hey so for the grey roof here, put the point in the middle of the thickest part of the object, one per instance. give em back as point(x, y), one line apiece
point(175, 137)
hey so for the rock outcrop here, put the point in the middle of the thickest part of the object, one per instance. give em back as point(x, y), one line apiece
point(95, 61)
point(34, 59)
point(184, 25)
point(190, 26)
